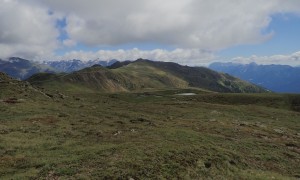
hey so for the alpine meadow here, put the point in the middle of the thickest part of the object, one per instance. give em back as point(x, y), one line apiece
point(137, 89)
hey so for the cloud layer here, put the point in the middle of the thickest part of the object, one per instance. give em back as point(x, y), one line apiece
point(193, 28)
point(182, 56)
point(290, 59)
point(193, 57)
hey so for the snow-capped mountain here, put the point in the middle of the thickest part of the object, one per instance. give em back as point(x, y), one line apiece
point(20, 68)
point(75, 64)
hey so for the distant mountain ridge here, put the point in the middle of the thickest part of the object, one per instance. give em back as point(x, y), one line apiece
point(144, 74)
point(278, 78)
point(75, 64)
point(20, 68)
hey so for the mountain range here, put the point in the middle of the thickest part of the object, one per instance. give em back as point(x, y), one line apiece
point(20, 68)
point(141, 75)
point(75, 64)
point(278, 78)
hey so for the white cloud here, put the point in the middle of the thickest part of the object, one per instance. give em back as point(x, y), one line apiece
point(290, 59)
point(26, 30)
point(182, 56)
point(69, 43)
point(202, 24)
point(194, 28)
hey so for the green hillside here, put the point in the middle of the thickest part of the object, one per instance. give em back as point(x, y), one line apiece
point(13, 89)
point(143, 75)
point(203, 77)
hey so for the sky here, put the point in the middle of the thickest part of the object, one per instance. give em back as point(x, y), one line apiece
point(189, 32)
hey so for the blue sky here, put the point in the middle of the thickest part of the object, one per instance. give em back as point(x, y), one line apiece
point(286, 39)
point(191, 32)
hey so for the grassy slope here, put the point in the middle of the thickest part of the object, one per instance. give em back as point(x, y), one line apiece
point(143, 74)
point(205, 78)
point(11, 89)
point(151, 135)
point(131, 77)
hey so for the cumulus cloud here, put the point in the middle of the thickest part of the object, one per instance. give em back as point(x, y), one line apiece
point(27, 30)
point(290, 59)
point(194, 28)
point(182, 56)
point(202, 24)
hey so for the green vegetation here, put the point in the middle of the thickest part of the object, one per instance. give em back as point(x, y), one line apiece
point(144, 75)
point(153, 134)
